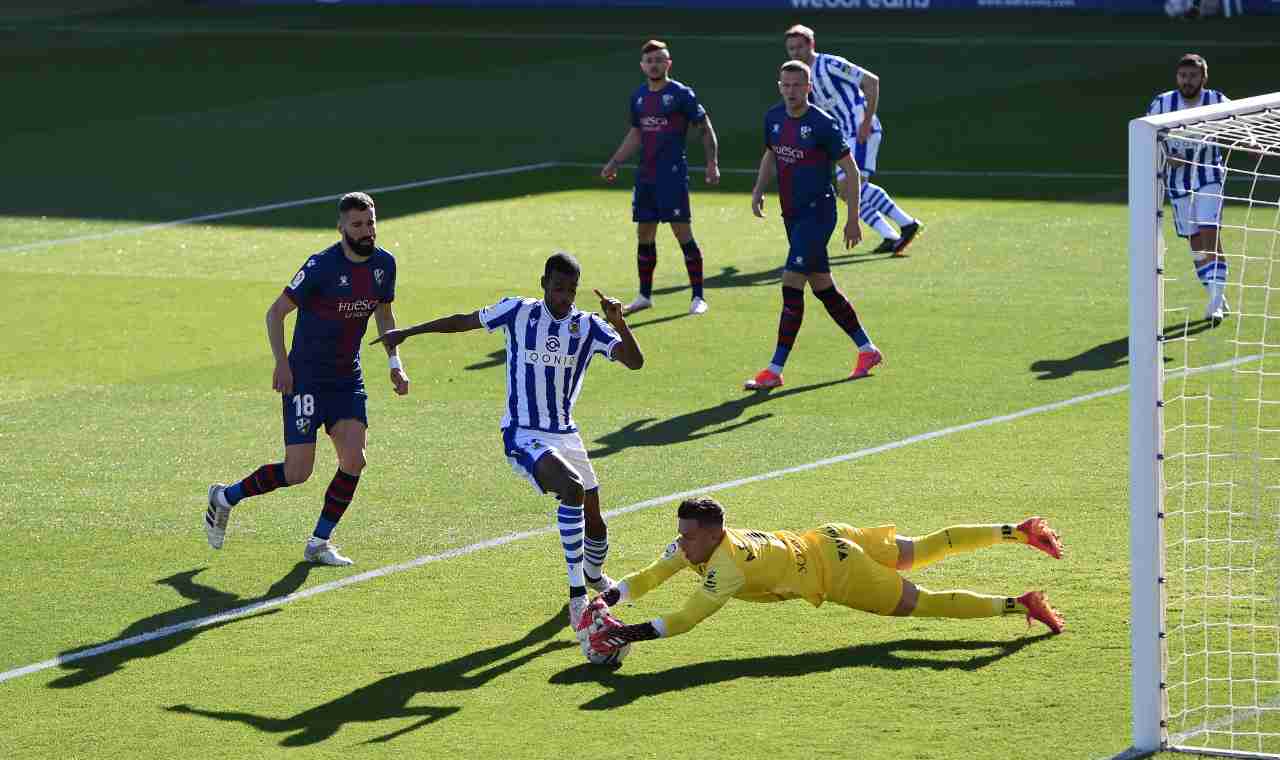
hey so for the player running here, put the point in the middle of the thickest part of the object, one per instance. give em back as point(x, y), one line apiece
point(852, 567)
point(321, 380)
point(802, 143)
point(1193, 175)
point(851, 94)
point(662, 111)
point(550, 343)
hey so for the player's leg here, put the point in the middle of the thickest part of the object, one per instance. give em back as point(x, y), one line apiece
point(875, 199)
point(919, 552)
point(842, 313)
point(595, 544)
point(349, 436)
point(554, 475)
point(645, 213)
point(299, 459)
point(683, 232)
point(962, 604)
point(1197, 217)
point(788, 327)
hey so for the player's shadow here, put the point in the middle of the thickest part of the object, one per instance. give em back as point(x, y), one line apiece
point(1110, 355)
point(889, 655)
point(700, 423)
point(388, 698)
point(205, 600)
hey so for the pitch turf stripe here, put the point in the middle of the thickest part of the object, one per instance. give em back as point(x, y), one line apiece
point(510, 538)
point(905, 172)
point(142, 229)
point(863, 41)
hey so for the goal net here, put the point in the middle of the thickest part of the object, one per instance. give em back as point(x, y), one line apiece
point(1205, 429)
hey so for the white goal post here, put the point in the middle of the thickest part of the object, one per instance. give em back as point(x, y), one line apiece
point(1204, 444)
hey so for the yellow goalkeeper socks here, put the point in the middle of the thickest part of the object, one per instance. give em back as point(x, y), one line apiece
point(958, 539)
point(962, 604)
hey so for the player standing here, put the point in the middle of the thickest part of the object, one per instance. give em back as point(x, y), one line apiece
point(1193, 174)
point(320, 380)
point(802, 142)
point(851, 94)
point(662, 110)
point(835, 562)
point(550, 343)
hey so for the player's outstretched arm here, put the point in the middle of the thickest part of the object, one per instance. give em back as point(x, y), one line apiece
point(630, 142)
point(852, 192)
point(768, 168)
point(385, 316)
point(711, 148)
point(628, 351)
point(454, 323)
point(282, 375)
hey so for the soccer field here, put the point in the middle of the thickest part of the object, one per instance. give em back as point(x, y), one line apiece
point(137, 372)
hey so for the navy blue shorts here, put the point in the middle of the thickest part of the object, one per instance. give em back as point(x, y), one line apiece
point(305, 411)
point(808, 236)
point(662, 202)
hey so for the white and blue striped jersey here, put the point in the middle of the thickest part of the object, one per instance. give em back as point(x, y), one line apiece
point(837, 89)
point(547, 360)
point(1188, 165)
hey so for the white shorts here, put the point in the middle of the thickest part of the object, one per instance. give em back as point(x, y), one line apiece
point(524, 447)
point(864, 155)
point(1197, 210)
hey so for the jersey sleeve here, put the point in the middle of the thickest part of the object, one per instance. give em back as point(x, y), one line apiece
point(500, 314)
point(768, 134)
point(657, 573)
point(832, 140)
point(842, 70)
point(391, 281)
point(634, 110)
point(1155, 108)
point(722, 581)
point(305, 283)
point(603, 337)
point(692, 109)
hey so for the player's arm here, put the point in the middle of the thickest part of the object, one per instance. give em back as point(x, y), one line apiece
point(768, 170)
point(871, 89)
point(385, 317)
point(710, 148)
point(627, 349)
point(713, 594)
point(282, 376)
point(852, 191)
point(454, 323)
point(630, 142)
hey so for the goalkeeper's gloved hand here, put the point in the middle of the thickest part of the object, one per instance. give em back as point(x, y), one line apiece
point(608, 637)
point(598, 606)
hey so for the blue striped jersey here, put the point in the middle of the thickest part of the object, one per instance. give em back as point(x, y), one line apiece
point(547, 360)
point(837, 89)
point(1188, 165)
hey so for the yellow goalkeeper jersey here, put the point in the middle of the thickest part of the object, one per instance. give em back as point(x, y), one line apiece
point(748, 564)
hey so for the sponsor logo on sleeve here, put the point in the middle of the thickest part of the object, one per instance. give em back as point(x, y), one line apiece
point(672, 550)
point(378, 274)
point(298, 278)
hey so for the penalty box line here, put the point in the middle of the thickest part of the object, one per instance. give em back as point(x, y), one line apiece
point(511, 538)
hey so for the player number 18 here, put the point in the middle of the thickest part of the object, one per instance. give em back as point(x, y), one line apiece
point(304, 404)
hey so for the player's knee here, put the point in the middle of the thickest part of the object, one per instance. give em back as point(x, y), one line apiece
point(296, 473)
point(353, 463)
point(570, 489)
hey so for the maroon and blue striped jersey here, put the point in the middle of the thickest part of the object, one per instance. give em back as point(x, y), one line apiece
point(335, 298)
point(806, 149)
point(663, 118)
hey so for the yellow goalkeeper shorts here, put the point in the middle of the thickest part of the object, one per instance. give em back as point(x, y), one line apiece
point(861, 566)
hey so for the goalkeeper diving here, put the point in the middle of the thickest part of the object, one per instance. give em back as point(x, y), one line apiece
point(835, 562)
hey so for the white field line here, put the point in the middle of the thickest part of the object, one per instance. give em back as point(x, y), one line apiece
point(509, 538)
point(141, 229)
point(828, 40)
point(145, 228)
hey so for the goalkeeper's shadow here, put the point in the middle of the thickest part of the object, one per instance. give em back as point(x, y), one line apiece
point(625, 688)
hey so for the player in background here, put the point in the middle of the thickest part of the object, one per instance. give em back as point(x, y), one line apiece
point(321, 380)
point(802, 143)
point(835, 562)
point(1193, 175)
point(851, 94)
point(662, 111)
point(550, 343)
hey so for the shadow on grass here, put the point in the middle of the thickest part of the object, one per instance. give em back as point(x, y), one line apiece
point(1109, 355)
point(697, 424)
point(205, 600)
point(890, 655)
point(388, 698)
point(728, 277)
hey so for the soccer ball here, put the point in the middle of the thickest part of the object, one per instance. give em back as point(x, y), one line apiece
point(614, 658)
